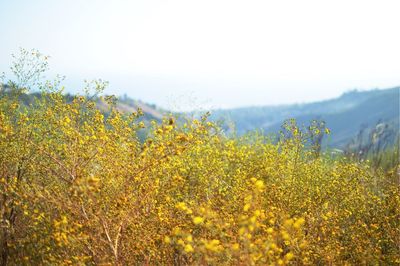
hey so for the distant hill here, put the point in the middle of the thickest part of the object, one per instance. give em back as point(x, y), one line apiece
point(128, 105)
point(345, 115)
point(124, 104)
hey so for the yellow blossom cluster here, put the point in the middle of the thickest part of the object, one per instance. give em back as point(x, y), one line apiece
point(80, 188)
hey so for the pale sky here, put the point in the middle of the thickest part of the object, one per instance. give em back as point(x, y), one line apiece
point(218, 53)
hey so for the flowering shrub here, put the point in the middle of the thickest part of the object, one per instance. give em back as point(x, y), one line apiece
point(80, 188)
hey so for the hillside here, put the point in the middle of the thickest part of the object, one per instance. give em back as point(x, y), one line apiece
point(345, 115)
point(124, 104)
point(128, 105)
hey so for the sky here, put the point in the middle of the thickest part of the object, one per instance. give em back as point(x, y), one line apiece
point(190, 54)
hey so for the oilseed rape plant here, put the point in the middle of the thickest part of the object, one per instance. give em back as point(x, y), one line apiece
point(79, 188)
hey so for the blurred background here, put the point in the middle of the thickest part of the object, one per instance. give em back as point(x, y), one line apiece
point(253, 63)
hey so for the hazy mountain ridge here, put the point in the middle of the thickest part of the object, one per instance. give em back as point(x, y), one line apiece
point(123, 104)
point(345, 115)
point(128, 105)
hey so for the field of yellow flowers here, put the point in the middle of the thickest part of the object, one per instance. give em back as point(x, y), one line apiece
point(79, 188)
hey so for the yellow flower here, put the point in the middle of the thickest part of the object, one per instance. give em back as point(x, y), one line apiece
point(285, 235)
point(299, 222)
point(167, 240)
point(181, 206)
point(235, 246)
point(189, 248)
point(260, 185)
point(213, 245)
point(289, 256)
point(198, 220)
